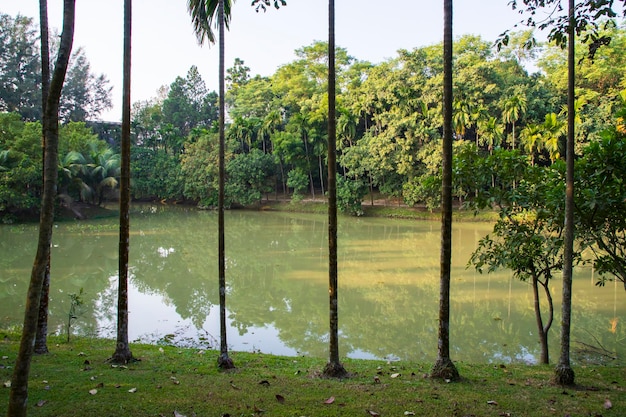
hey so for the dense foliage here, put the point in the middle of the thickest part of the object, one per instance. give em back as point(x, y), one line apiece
point(508, 121)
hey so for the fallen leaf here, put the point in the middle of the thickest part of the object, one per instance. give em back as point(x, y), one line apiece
point(372, 413)
point(258, 410)
point(330, 400)
point(81, 354)
point(608, 404)
point(132, 390)
point(177, 414)
point(280, 398)
point(41, 403)
point(93, 391)
point(376, 380)
point(492, 402)
point(234, 386)
point(409, 413)
point(394, 375)
point(100, 385)
point(7, 384)
point(265, 383)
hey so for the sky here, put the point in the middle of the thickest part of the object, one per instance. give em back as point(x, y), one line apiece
point(164, 46)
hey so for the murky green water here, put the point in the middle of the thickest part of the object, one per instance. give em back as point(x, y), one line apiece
point(277, 277)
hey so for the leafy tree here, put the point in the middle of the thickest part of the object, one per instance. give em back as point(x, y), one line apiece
point(600, 200)
point(444, 367)
point(350, 193)
point(18, 395)
point(238, 74)
point(250, 175)
point(19, 67)
point(564, 28)
point(199, 167)
point(188, 105)
point(528, 236)
point(20, 166)
point(85, 95)
point(299, 181)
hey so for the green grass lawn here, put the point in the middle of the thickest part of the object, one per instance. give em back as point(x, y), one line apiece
point(76, 380)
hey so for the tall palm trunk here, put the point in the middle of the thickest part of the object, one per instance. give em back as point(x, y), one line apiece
point(333, 368)
point(224, 360)
point(41, 339)
point(564, 374)
point(18, 396)
point(444, 368)
point(122, 352)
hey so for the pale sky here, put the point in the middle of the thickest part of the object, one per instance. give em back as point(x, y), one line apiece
point(164, 46)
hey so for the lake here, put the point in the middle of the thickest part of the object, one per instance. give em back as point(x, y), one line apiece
point(277, 288)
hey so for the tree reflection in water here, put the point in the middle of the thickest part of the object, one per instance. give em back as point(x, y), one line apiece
point(277, 268)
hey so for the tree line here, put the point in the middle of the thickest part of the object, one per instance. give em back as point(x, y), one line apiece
point(388, 124)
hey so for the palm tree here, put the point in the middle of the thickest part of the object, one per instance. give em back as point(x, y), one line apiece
point(532, 139)
point(444, 368)
point(513, 108)
point(202, 14)
point(333, 368)
point(105, 168)
point(490, 132)
point(552, 131)
point(564, 374)
point(18, 396)
point(122, 352)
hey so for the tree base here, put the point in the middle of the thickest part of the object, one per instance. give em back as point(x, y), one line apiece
point(224, 362)
point(41, 350)
point(122, 357)
point(335, 370)
point(564, 375)
point(445, 369)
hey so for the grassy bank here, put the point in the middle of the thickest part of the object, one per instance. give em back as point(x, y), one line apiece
point(394, 211)
point(75, 380)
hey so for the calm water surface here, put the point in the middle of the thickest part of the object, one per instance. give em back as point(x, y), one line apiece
point(277, 278)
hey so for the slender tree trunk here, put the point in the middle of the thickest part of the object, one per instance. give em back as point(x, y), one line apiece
point(223, 361)
point(18, 396)
point(444, 368)
point(122, 352)
point(564, 374)
point(308, 162)
point(321, 173)
point(333, 368)
point(41, 339)
point(543, 336)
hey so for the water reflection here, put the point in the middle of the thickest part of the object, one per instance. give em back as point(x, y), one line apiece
point(277, 277)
